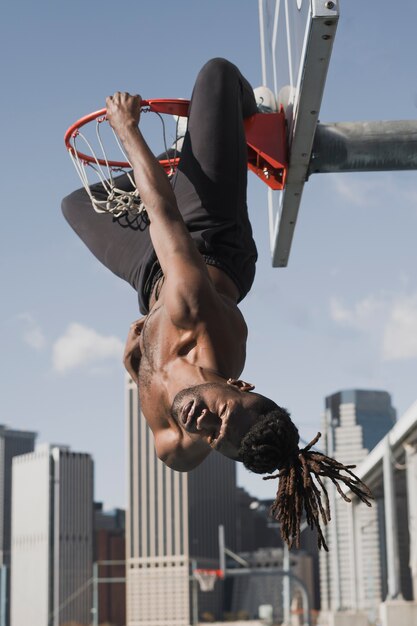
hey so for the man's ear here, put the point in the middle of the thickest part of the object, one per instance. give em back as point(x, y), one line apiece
point(240, 384)
point(132, 353)
point(137, 326)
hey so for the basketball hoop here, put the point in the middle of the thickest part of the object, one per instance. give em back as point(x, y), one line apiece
point(207, 578)
point(106, 197)
point(265, 136)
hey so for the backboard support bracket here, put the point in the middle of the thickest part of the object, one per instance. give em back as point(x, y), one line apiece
point(267, 147)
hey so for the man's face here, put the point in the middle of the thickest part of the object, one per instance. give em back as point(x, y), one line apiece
point(219, 413)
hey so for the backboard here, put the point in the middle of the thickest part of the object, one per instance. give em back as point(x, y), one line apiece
point(296, 43)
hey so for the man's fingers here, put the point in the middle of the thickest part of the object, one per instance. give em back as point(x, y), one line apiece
point(123, 97)
point(122, 110)
point(240, 384)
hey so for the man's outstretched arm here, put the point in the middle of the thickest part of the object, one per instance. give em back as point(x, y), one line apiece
point(186, 276)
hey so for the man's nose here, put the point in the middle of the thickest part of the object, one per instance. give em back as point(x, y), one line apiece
point(207, 420)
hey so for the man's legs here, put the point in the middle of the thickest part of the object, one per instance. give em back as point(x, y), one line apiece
point(210, 185)
point(216, 142)
point(122, 244)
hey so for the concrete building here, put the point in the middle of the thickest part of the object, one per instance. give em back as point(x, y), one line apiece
point(172, 526)
point(212, 501)
point(157, 552)
point(390, 470)
point(354, 422)
point(52, 537)
point(12, 443)
point(255, 527)
point(109, 555)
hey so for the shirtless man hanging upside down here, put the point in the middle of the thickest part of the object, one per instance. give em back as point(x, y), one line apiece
point(191, 266)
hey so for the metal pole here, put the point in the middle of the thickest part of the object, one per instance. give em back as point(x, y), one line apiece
point(364, 147)
point(286, 582)
point(286, 591)
point(95, 594)
point(222, 549)
point(194, 591)
point(56, 472)
point(411, 471)
point(335, 599)
point(262, 39)
point(352, 542)
point(3, 587)
point(391, 524)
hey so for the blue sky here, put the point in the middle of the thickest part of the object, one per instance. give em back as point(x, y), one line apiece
point(344, 312)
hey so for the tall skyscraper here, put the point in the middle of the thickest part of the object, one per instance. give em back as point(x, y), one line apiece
point(12, 443)
point(173, 519)
point(157, 568)
point(52, 537)
point(354, 422)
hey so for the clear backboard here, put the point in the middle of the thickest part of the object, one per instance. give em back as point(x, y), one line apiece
point(296, 43)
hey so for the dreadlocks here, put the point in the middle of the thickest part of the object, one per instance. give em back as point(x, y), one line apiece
point(272, 444)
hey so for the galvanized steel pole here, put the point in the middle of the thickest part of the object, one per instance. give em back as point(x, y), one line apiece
point(95, 594)
point(3, 587)
point(391, 527)
point(364, 147)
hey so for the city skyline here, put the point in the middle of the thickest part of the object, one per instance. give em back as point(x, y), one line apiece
point(371, 567)
point(343, 314)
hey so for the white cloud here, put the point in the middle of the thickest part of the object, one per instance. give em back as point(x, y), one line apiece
point(400, 335)
point(32, 334)
point(362, 316)
point(364, 191)
point(80, 346)
point(388, 320)
point(371, 189)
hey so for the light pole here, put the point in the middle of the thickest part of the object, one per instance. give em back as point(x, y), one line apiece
point(286, 581)
point(3, 587)
point(96, 580)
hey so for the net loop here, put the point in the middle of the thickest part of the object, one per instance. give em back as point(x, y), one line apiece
point(105, 196)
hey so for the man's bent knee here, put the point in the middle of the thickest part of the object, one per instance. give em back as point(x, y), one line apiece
point(216, 69)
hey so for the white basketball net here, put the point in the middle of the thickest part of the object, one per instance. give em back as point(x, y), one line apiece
point(206, 579)
point(117, 201)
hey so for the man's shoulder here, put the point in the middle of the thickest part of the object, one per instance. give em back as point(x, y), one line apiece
point(178, 451)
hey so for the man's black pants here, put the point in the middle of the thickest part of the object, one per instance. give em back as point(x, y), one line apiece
point(209, 185)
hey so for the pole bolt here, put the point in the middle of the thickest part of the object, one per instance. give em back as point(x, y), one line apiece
point(330, 5)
